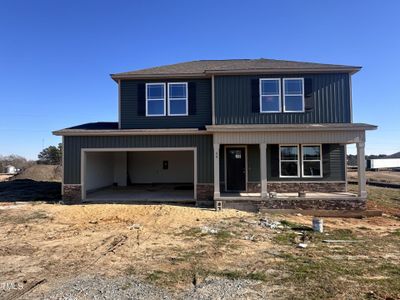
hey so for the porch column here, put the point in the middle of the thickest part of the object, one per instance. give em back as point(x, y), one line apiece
point(263, 168)
point(362, 191)
point(216, 171)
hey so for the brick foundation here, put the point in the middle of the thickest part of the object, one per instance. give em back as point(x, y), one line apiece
point(326, 204)
point(293, 187)
point(299, 203)
point(72, 194)
point(254, 187)
point(205, 195)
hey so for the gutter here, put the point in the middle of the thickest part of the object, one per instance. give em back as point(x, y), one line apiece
point(119, 132)
point(291, 128)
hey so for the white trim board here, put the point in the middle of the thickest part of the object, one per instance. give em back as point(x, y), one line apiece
point(112, 150)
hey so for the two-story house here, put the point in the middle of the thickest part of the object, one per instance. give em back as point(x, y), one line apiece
point(255, 132)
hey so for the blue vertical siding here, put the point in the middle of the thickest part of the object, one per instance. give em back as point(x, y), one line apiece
point(130, 119)
point(330, 98)
point(74, 144)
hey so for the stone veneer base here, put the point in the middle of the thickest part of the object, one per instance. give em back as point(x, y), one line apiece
point(355, 204)
point(294, 187)
point(72, 193)
point(205, 195)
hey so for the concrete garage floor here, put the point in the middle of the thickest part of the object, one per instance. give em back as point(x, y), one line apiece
point(143, 193)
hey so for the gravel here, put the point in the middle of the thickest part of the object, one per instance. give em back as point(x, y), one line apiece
point(99, 288)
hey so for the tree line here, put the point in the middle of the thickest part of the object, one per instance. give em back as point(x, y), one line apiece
point(51, 155)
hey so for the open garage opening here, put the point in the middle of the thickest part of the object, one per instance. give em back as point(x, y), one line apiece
point(140, 175)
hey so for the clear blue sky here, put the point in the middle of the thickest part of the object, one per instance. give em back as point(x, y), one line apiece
point(56, 56)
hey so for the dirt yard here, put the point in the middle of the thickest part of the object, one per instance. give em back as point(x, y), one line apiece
point(378, 176)
point(110, 251)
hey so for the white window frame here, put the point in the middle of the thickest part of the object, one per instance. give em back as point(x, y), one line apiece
point(186, 99)
point(164, 100)
point(302, 95)
point(285, 160)
point(279, 95)
point(311, 160)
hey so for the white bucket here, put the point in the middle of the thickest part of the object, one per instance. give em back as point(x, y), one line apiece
point(318, 225)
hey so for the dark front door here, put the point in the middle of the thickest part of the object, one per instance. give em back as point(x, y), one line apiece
point(235, 169)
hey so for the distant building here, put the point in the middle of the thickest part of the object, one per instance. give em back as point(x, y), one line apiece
point(11, 169)
point(383, 163)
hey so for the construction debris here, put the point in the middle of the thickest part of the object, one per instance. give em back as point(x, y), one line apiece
point(342, 241)
point(208, 230)
point(271, 224)
point(134, 226)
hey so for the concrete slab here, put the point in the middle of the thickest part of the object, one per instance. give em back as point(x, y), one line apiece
point(143, 193)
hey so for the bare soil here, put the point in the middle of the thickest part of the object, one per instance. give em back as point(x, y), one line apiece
point(41, 173)
point(178, 250)
point(5, 177)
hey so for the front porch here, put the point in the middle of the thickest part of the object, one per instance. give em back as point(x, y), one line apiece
point(338, 201)
point(265, 189)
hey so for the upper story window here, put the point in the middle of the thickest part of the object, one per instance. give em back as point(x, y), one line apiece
point(293, 95)
point(155, 99)
point(270, 95)
point(177, 99)
point(289, 161)
point(312, 162)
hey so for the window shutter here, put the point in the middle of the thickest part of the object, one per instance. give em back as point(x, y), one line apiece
point(308, 95)
point(192, 98)
point(326, 159)
point(274, 160)
point(141, 99)
point(255, 95)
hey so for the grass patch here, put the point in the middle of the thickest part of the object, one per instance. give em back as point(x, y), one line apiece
point(229, 274)
point(285, 238)
point(396, 232)
point(223, 235)
point(295, 226)
point(363, 228)
point(156, 276)
point(191, 232)
point(341, 234)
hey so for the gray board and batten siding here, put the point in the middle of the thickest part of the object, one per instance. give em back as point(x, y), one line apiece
point(74, 144)
point(327, 100)
point(133, 101)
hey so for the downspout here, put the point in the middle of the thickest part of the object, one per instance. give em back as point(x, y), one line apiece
point(119, 104)
point(351, 99)
point(213, 99)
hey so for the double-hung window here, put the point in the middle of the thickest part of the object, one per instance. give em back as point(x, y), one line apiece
point(155, 99)
point(270, 95)
point(289, 161)
point(177, 99)
point(293, 94)
point(312, 162)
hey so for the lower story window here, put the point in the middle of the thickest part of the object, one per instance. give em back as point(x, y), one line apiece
point(289, 161)
point(312, 162)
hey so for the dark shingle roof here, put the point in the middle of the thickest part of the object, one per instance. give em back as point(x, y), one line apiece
point(96, 126)
point(203, 67)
